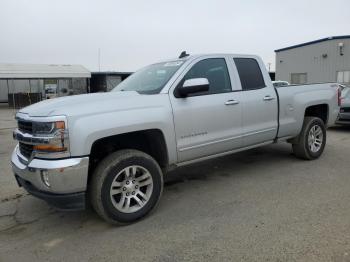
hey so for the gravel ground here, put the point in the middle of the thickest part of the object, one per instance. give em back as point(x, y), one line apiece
point(259, 205)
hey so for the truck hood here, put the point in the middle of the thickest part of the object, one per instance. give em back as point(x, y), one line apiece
point(89, 104)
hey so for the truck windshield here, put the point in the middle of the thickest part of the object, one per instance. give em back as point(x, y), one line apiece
point(151, 79)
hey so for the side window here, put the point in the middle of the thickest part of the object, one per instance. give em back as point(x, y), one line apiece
point(215, 70)
point(343, 77)
point(298, 78)
point(249, 73)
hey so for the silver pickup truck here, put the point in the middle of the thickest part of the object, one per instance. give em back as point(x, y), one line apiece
point(112, 149)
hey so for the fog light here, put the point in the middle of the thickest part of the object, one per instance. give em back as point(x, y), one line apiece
point(45, 177)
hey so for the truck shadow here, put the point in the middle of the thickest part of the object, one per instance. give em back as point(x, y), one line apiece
point(233, 165)
point(338, 128)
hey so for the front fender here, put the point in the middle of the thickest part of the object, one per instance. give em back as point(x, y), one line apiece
point(85, 130)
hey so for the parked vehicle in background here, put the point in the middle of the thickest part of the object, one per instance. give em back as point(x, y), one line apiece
point(50, 91)
point(280, 83)
point(343, 87)
point(344, 112)
point(113, 148)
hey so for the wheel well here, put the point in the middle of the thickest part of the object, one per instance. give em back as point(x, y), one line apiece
point(150, 141)
point(320, 111)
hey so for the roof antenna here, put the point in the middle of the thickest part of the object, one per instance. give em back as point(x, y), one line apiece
point(183, 54)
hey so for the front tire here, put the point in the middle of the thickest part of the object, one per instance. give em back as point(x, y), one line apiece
point(126, 186)
point(312, 139)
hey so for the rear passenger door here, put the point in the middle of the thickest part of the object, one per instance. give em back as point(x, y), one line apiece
point(259, 102)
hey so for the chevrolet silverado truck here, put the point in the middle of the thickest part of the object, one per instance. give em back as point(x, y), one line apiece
point(112, 149)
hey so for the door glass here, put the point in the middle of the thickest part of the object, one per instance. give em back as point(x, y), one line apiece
point(249, 73)
point(215, 70)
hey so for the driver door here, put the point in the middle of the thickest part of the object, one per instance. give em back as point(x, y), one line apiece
point(211, 122)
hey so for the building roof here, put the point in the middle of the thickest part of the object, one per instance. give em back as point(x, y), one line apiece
point(23, 71)
point(314, 42)
point(111, 73)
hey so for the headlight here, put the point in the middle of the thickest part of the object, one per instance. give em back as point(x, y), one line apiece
point(43, 127)
point(47, 128)
point(56, 135)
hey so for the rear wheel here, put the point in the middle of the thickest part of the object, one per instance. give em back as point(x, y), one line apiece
point(312, 139)
point(126, 186)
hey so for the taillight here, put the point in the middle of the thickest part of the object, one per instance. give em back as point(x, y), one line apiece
point(339, 96)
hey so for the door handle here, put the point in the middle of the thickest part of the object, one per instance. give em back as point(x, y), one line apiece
point(231, 102)
point(268, 98)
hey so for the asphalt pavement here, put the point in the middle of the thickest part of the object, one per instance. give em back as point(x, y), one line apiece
point(258, 205)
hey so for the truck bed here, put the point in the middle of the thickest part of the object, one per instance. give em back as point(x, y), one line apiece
point(293, 101)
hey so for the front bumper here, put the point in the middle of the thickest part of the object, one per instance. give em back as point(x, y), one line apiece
point(72, 201)
point(67, 179)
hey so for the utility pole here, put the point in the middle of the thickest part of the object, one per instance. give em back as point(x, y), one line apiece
point(269, 65)
point(99, 59)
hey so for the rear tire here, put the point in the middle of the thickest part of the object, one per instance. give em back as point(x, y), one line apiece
point(311, 140)
point(126, 186)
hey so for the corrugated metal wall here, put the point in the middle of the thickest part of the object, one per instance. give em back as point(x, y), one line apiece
point(321, 61)
point(9, 88)
point(3, 91)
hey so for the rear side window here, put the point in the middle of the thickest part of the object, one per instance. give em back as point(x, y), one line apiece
point(249, 73)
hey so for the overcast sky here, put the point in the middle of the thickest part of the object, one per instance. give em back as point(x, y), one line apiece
point(132, 33)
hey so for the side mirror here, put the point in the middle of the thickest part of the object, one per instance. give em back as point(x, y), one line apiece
point(194, 85)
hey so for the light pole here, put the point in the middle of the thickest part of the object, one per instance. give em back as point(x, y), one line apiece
point(99, 59)
point(269, 65)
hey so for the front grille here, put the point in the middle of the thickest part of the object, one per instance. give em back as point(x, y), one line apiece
point(345, 110)
point(25, 126)
point(25, 149)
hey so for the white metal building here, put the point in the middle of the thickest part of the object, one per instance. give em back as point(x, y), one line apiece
point(323, 60)
point(22, 84)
